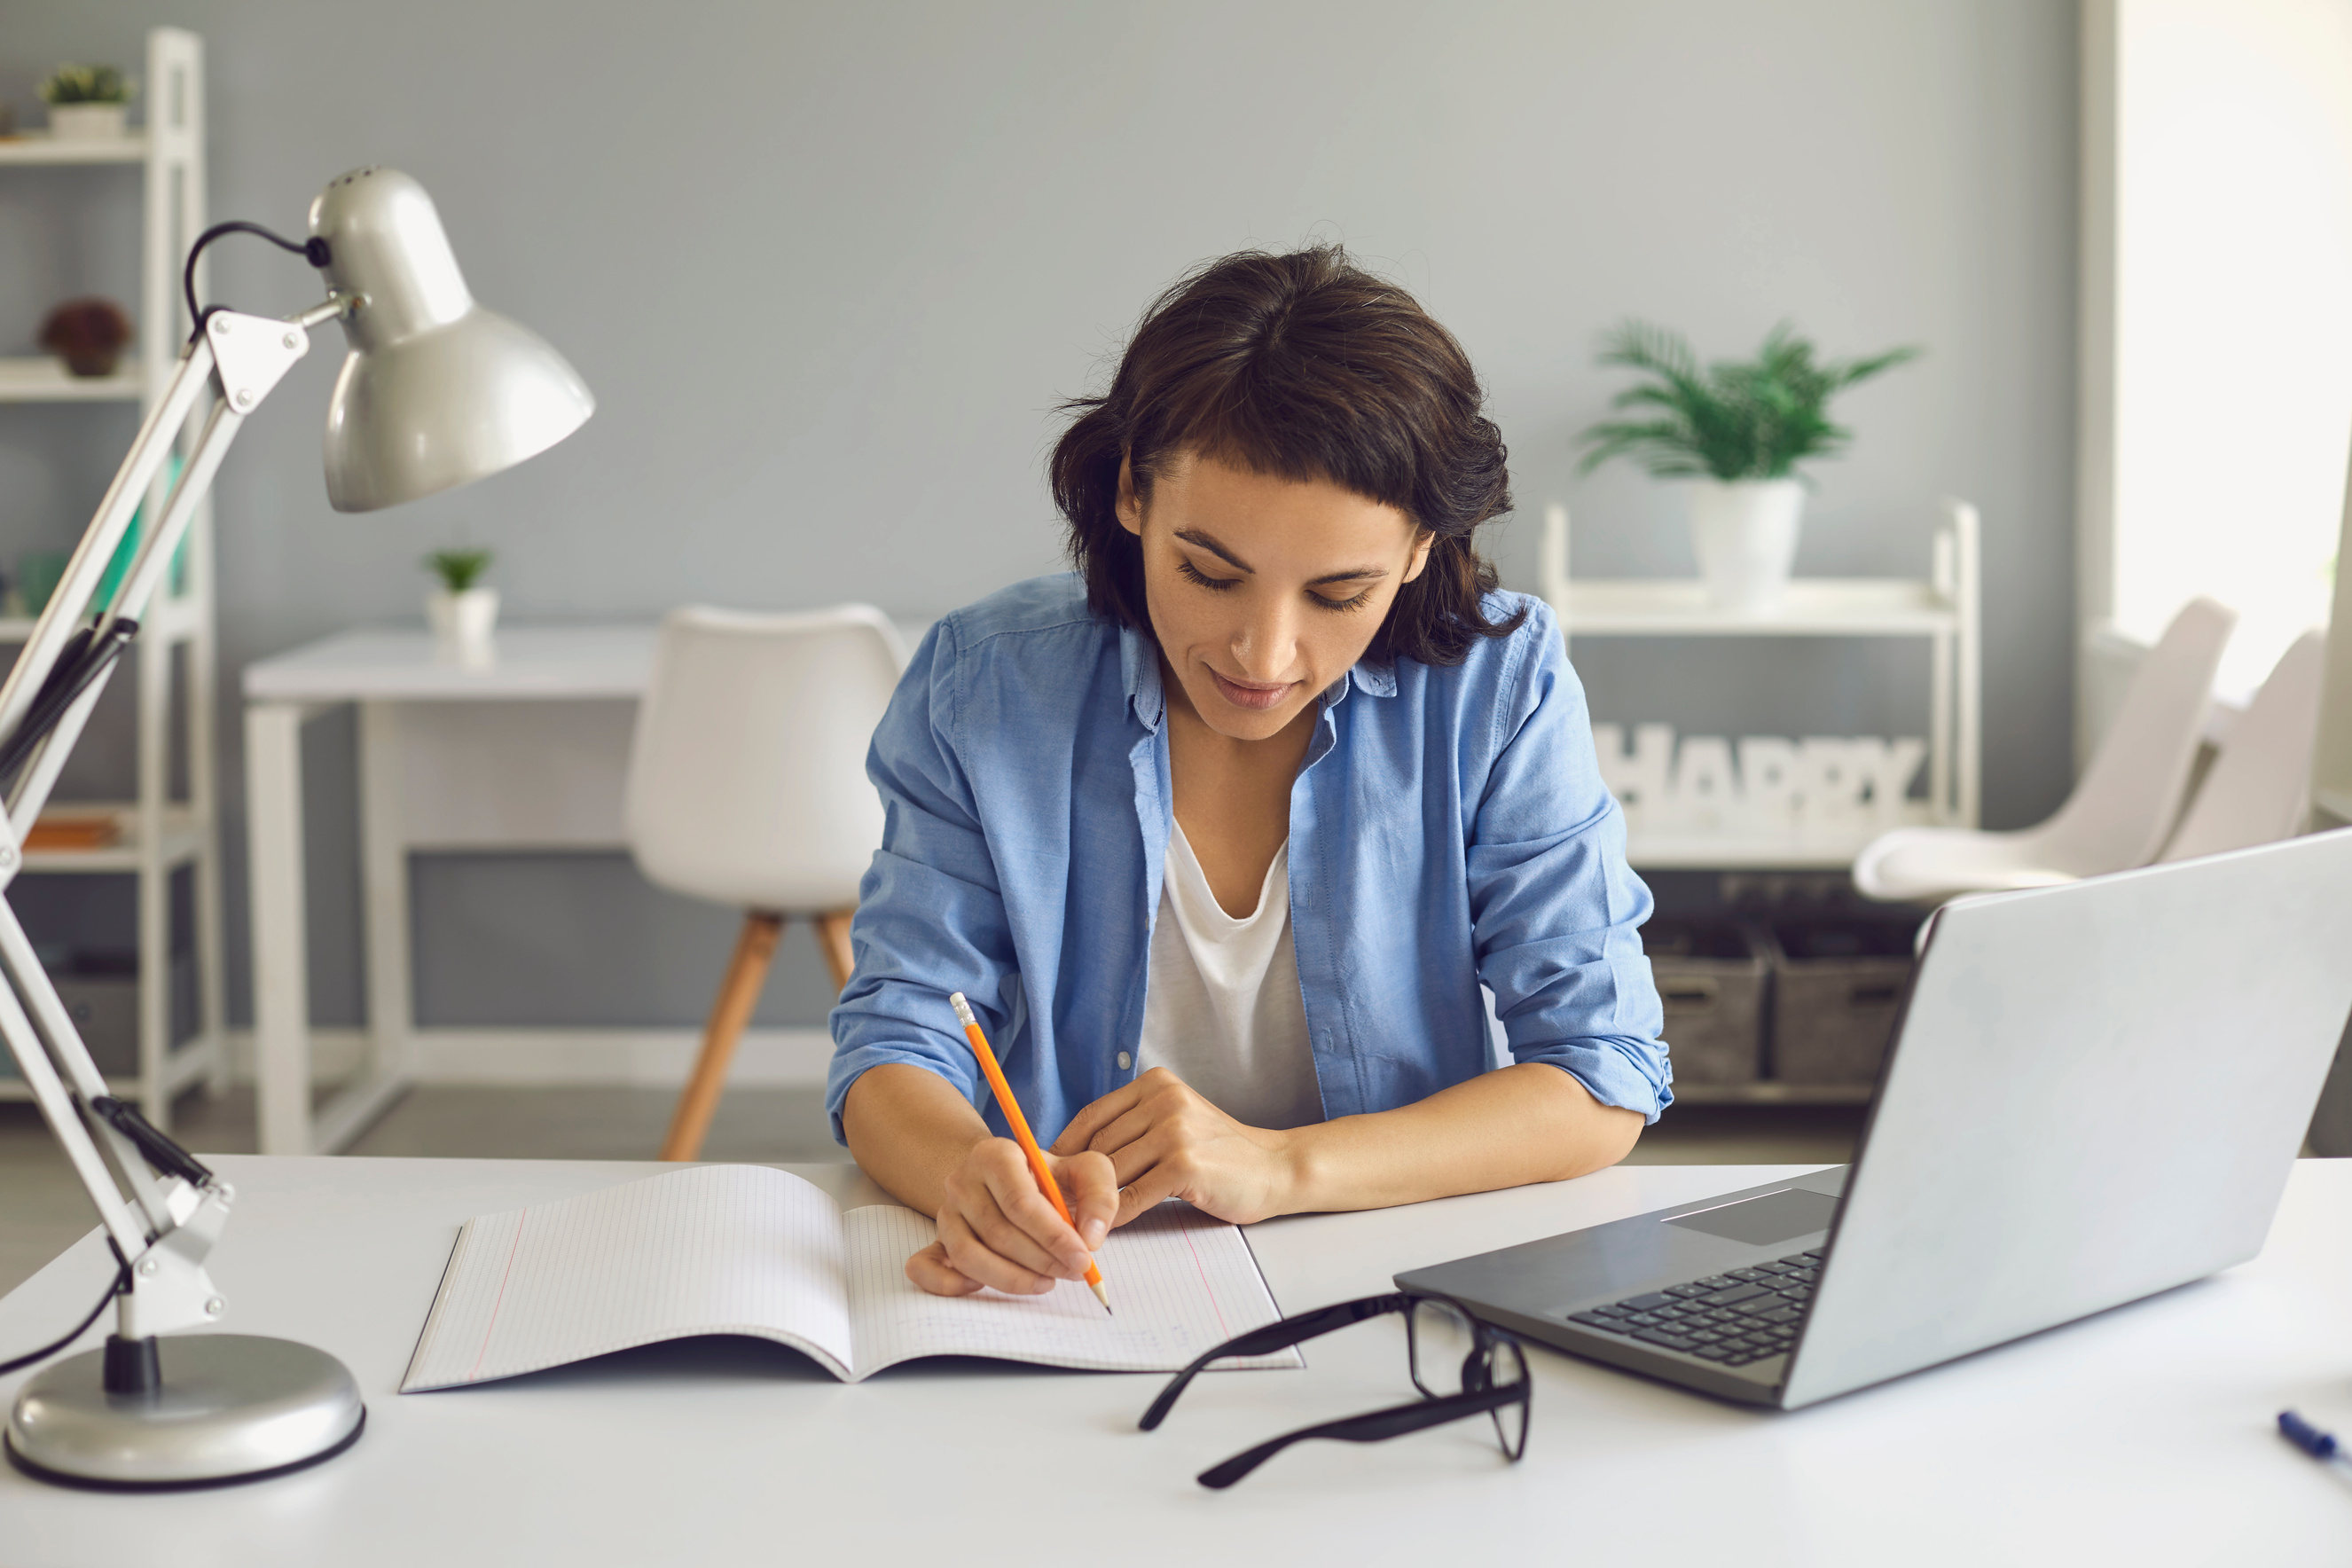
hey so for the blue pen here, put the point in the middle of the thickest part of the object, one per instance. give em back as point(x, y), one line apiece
point(2321, 1445)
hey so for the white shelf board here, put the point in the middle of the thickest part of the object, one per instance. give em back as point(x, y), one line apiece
point(1821, 849)
point(41, 378)
point(1766, 1092)
point(183, 838)
point(1814, 606)
point(40, 147)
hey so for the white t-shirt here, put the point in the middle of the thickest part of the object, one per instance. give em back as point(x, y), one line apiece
point(1221, 1008)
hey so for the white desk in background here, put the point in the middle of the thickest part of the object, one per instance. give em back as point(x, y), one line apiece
point(528, 753)
point(2142, 1435)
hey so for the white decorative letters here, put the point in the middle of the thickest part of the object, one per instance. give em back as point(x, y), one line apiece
point(1639, 779)
point(1777, 786)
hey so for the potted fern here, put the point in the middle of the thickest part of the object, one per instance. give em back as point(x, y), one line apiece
point(85, 103)
point(1740, 428)
point(463, 613)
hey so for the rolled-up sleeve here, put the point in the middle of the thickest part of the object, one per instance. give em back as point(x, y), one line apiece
point(1555, 911)
point(931, 912)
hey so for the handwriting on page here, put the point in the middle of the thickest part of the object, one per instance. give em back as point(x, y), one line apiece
point(1180, 1282)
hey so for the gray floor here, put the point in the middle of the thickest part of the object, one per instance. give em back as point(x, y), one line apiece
point(42, 1209)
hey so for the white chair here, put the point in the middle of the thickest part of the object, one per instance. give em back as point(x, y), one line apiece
point(2122, 809)
point(2259, 788)
point(747, 787)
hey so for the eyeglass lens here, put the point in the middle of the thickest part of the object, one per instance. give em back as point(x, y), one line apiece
point(1449, 1352)
point(1510, 1370)
point(1452, 1356)
point(1444, 1345)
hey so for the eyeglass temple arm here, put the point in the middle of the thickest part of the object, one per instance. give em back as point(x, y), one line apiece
point(1273, 1337)
point(1370, 1427)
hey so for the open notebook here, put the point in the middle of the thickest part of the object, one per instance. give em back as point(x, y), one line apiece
point(744, 1249)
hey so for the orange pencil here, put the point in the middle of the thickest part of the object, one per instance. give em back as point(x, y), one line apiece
point(1019, 1124)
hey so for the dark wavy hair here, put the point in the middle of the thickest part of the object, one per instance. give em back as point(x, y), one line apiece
point(1307, 368)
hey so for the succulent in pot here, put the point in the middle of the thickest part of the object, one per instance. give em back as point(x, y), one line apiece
point(1738, 428)
point(85, 103)
point(462, 612)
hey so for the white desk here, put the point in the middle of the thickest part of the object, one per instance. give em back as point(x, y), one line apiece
point(530, 752)
point(2142, 1435)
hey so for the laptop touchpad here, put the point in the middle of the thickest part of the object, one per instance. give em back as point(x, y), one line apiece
point(1760, 1222)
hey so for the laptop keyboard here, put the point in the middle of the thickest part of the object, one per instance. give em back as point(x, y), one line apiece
point(1735, 1318)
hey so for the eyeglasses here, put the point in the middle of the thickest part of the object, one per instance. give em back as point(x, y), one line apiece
point(1461, 1367)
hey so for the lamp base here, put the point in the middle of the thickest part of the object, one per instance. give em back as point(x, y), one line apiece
point(230, 1407)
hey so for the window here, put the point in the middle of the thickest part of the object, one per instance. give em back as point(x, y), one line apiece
point(2217, 306)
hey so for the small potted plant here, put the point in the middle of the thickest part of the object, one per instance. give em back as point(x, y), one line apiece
point(1740, 428)
point(85, 103)
point(464, 613)
point(89, 334)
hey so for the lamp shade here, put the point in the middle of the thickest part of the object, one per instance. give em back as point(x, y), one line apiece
point(436, 392)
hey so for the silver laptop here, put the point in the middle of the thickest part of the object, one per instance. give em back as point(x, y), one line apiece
point(2095, 1092)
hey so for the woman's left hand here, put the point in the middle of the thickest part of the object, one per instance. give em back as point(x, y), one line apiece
point(1165, 1140)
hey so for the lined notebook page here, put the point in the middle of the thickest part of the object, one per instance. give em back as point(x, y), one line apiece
point(1179, 1281)
point(717, 1249)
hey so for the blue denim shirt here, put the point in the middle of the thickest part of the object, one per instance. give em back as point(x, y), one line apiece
point(1449, 827)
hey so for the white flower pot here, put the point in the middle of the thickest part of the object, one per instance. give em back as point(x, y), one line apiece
point(1745, 533)
point(463, 624)
point(86, 121)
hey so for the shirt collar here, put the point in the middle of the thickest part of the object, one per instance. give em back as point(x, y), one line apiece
point(1138, 667)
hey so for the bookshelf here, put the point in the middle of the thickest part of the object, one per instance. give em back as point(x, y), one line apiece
point(160, 832)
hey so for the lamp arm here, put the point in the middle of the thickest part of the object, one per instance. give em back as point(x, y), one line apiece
point(108, 1165)
point(32, 991)
point(61, 616)
point(170, 1288)
point(100, 1176)
point(47, 761)
point(222, 426)
point(164, 1229)
point(251, 355)
point(245, 357)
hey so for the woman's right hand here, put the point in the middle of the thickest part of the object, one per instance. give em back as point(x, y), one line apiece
point(998, 1228)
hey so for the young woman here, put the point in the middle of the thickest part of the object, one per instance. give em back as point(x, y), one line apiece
point(1221, 833)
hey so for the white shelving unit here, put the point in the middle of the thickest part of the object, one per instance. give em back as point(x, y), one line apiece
point(157, 832)
point(1941, 608)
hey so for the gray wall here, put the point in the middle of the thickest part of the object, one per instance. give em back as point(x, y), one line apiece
point(829, 268)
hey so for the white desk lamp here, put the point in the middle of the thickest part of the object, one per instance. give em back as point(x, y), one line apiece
point(436, 392)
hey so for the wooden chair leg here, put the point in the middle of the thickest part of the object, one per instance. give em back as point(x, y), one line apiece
point(739, 993)
point(833, 935)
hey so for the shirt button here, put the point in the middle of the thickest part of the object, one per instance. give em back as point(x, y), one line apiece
point(1125, 1061)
